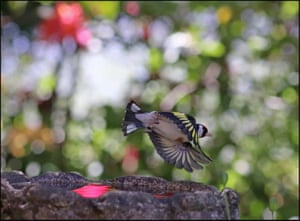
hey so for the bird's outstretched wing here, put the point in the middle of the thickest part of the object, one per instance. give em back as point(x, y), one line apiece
point(182, 155)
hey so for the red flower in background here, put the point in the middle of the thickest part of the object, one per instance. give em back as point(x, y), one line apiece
point(131, 158)
point(66, 21)
point(132, 8)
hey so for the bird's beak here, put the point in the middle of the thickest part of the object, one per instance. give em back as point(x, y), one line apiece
point(208, 135)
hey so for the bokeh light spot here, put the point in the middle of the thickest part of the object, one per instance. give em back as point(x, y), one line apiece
point(33, 169)
point(95, 169)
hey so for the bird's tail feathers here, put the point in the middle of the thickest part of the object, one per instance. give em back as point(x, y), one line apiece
point(130, 122)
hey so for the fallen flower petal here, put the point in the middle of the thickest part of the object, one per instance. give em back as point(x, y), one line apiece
point(92, 190)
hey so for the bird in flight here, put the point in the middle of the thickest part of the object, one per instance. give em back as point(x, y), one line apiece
point(175, 135)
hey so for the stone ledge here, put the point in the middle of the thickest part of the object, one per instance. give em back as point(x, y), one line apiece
point(51, 196)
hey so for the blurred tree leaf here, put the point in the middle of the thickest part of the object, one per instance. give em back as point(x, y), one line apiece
point(290, 95)
point(289, 9)
point(105, 9)
point(17, 7)
point(212, 48)
point(47, 84)
point(155, 60)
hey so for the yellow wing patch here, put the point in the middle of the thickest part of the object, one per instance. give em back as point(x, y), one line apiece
point(192, 133)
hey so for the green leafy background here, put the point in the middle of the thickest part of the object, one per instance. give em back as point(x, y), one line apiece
point(233, 66)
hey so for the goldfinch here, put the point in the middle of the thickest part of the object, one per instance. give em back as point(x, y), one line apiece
point(175, 135)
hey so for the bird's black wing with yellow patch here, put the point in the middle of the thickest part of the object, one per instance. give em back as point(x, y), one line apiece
point(187, 125)
point(182, 155)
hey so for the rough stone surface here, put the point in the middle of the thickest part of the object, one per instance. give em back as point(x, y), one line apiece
point(50, 196)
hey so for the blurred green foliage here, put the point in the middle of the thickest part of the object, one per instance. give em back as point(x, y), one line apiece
point(234, 66)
